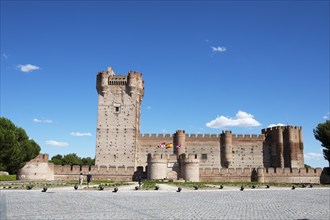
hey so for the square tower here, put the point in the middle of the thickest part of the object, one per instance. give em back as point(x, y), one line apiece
point(118, 118)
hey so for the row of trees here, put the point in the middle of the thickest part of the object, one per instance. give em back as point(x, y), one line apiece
point(72, 159)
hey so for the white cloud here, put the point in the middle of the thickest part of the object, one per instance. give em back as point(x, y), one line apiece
point(313, 156)
point(37, 120)
point(325, 117)
point(275, 125)
point(242, 119)
point(78, 134)
point(42, 120)
point(57, 143)
point(219, 49)
point(27, 68)
point(5, 56)
point(148, 107)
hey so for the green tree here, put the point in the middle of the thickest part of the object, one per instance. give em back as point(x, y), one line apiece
point(88, 161)
point(322, 133)
point(57, 159)
point(307, 166)
point(71, 159)
point(16, 147)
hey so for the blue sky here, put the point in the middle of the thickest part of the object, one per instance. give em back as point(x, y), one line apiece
point(208, 66)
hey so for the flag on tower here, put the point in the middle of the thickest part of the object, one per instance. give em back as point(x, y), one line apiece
point(169, 145)
point(162, 145)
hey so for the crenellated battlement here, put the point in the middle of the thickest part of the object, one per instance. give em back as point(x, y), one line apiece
point(271, 171)
point(248, 137)
point(159, 137)
point(108, 79)
point(243, 137)
point(275, 128)
point(202, 137)
point(290, 175)
point(68, 172)
point(41, 158)
point(153, 158)
point(135, 74)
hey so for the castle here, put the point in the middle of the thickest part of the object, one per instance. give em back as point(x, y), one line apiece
point(123, 153)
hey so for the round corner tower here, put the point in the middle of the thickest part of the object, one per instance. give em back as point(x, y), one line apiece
point(118, 117)
point(157, 166)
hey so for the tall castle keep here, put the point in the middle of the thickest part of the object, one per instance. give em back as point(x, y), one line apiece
point(118, 118)
point(119, 142)
point(123, 153)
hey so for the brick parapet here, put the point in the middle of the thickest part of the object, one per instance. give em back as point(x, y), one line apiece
point(41, 158)
point(202, 137)
point(155, 137)
point(245, 137)
point(266, 130)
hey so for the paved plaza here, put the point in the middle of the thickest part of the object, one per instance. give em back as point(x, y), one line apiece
point(307, 203)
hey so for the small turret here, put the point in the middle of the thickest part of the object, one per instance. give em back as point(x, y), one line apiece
point(111, 72)
point(102, 82)
point(135, 84)
point(131, 82)
point(180, 139)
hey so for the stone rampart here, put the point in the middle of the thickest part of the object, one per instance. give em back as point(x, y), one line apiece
point(270, 175)
point(209, 174)
point(291, 175)
point(68, 172)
